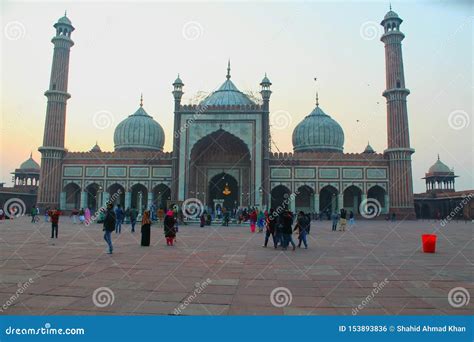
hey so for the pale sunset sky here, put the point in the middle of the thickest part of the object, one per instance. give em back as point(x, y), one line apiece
point(128, 47)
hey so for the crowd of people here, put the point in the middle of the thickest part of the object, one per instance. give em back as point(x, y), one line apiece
point(279, 225)
point(114, 218)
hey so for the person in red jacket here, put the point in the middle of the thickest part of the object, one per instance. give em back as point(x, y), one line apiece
point(54, 218)
point(253, 220)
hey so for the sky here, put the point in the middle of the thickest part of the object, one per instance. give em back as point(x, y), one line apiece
point(126, 48)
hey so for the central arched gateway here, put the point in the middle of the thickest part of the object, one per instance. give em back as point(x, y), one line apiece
point(225, 189)
point(218, 160)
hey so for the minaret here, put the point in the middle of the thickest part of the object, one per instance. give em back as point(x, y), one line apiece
point(398, 149)
point(52, 151)
point(177, 94)
point(266, 93)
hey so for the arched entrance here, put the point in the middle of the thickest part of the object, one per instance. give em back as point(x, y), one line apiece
point(425, 211)
point(117, 194)
point(280, 197)
point(92, 191)
point(139, 197)
point(214, 155)
point(328, 199)
point(223, 187)
point(352, 198)
point(161, 193)
point(378, 193)
point(304, 199)
point(73, 196)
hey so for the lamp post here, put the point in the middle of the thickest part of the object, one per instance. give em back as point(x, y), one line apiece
point(260, 200)
point(140, 201)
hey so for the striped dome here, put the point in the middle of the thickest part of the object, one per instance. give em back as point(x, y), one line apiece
point(318, 132)
point(139, 132)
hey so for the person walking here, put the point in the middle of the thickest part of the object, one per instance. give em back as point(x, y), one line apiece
point(169, 228)
point(87, 216)
point(202, 220)
point(82, 217)
point(278, 218)
point(119, 216)
point(260, 221)
point(253, 220)
point(74, 214)
point(34, 212)
point(335, 221)
point(146, 231)
point(46, 214)
point(109, 226)
point(133, 218)
point(343, 220)
point(287, 230)
point(54, 218)
point(270, 229)
point(302, 225)
point(351, 219)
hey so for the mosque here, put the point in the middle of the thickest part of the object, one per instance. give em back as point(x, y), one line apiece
point(222, 153)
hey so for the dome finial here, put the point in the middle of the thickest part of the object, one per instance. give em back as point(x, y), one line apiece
point(438, 156)
point(141, 100)
point(317, 100)
point(228, 69)
point(31, 154)
point(65, 13)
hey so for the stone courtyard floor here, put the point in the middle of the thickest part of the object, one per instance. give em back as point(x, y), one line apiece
point(376, 267)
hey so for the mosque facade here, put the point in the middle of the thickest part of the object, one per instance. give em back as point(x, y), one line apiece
point(222, 151)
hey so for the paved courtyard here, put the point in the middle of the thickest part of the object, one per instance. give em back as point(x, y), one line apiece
point(376, 268)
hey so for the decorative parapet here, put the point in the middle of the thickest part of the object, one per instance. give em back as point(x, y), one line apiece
point(120, 155)
point(326, 156)
point(232, 108)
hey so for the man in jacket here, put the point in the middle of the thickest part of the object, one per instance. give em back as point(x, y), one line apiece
point(287, 221)
point(302, 224)
point(54, 215)
point(119, 216)
point(271, 228)
point(109, 226)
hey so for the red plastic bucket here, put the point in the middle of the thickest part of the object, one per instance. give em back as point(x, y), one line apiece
point(429, 243)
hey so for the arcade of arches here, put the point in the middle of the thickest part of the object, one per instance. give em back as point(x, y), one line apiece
point(93, 196)
point(328, 200)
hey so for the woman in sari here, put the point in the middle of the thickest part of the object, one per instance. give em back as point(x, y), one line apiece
point(87, 216)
